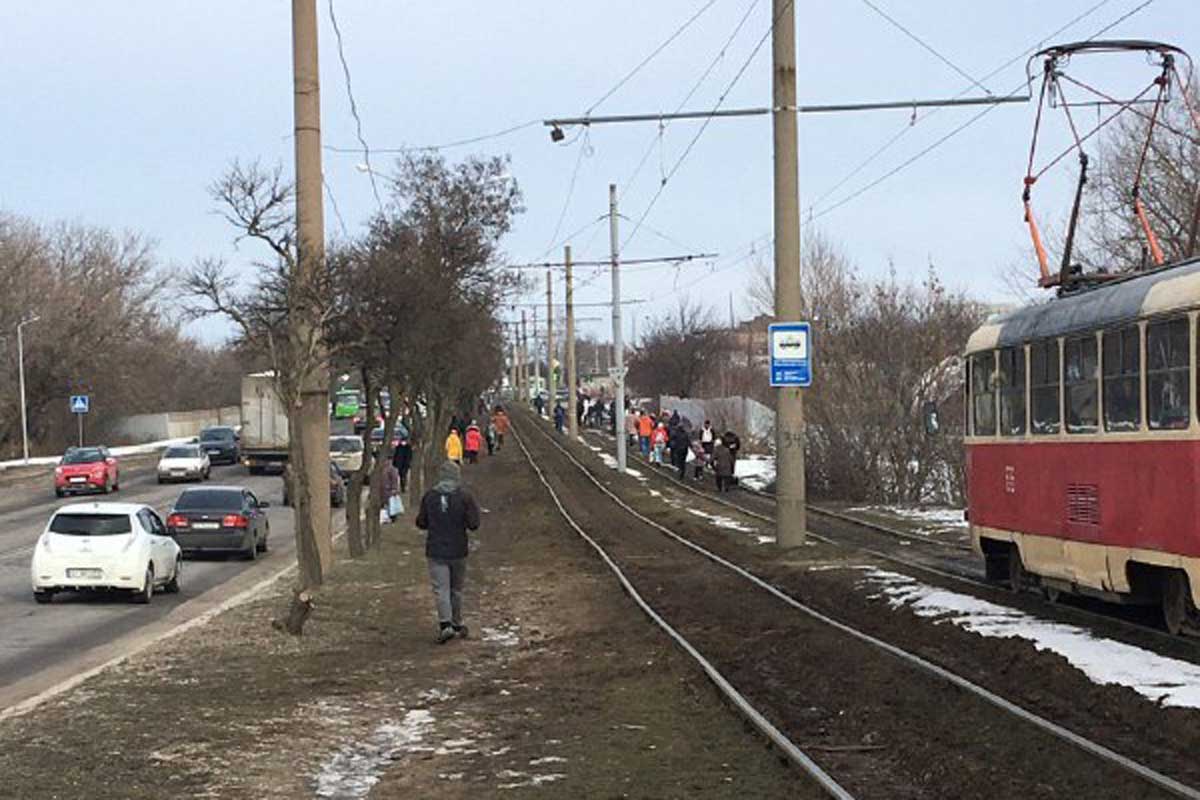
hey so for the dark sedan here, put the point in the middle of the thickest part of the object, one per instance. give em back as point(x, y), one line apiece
point(337, 487)
point(222, 444)
point(220, 519)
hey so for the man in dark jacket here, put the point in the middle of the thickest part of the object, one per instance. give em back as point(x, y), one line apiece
point(402, 461)
point(679, 443)
point(447, 512)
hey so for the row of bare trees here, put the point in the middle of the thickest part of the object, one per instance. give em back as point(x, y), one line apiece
point(104, 327)
point(410, 305)
point(885, 349)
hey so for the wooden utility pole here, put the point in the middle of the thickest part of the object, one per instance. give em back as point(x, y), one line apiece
point(550, 341)
point(572, 377)
point(311, 436)
point(618, 339)
point(790, 515)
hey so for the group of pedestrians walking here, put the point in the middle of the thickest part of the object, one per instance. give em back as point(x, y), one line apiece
point(669, 439)
point(465, 441)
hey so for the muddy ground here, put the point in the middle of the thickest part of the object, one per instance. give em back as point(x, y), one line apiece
point(1044, 682)
point(563, 690)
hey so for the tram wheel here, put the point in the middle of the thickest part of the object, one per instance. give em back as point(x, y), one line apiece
point(1179, 612)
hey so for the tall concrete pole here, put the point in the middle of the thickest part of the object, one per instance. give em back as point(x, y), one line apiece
point(21, 376)
point(537, 359)
point(572, 377)
point(313, 414)
point(524, 361)
point(790, 516)
point(618, 340)
point(550, 339)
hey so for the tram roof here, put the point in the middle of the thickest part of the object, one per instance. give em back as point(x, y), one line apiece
point(1108, 305)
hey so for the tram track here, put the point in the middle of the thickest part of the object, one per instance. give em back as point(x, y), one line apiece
point(942, 560)
point(930, 672)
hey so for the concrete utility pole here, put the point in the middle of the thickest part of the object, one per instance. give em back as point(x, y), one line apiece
point(790, 516)
point(21, 375)
point(550, 340)
point(572, 378)
point(524, 361)
point(618, 341)
point(537, 359)
point(313, 414)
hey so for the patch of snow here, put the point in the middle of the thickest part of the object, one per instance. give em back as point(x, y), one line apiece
point(355, 768)
point(504, 636)
point(534, 762)
point(722, 522)
point(942, 517)
point(1166, 681)
point(755, 472)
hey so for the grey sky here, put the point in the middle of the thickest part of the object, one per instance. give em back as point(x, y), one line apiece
point(120, 113)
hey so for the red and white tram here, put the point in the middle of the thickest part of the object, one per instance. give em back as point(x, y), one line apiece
point(1083, 443)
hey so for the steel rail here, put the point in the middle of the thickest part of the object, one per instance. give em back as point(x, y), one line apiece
point(1147, 774)
point(753, 715)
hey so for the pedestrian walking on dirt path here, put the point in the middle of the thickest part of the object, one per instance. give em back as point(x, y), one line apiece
point(454, 446)
point(645, 430)
point(402, 461)
point(679, 443)
point(473, 443)
point(723, 466)
point(560, 417)
point(500, 420)
point(447, 512)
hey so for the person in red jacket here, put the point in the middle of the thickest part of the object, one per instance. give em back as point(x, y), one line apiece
point(473, 443)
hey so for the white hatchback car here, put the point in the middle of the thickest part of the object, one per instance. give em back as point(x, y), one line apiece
point(121, 546)
point(184, 462)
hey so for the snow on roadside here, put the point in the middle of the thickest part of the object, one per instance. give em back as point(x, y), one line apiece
point(351, 772)
point(1167, 681)
point(129, 450)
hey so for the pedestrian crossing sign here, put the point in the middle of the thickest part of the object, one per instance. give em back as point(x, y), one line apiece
point(79, 404)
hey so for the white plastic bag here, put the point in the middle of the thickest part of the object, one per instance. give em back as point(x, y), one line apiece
point(395, 506)
point(384, 519)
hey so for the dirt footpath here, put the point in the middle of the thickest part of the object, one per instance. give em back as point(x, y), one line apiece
point(563, 690)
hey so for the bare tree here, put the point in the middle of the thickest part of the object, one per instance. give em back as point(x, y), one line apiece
point(259, 204)
point(678, 352)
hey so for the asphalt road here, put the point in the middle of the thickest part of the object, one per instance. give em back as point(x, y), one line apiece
point(40, 643)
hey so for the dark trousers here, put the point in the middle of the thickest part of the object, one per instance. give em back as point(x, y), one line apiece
point(679, 459)
point(724, 483)
point(472, 456)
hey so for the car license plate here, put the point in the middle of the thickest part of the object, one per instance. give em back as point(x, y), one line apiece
point(78, 480)
point(212, 451)
point(84, 573)
point(206, 526)
point(177, 473)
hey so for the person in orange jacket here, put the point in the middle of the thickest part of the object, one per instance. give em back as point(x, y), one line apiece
point(645, 428)
point(500, 420)
point(474, 443)
point(659, 440)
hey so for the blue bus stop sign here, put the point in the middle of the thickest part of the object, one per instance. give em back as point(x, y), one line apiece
point(79, 404)
point(790, 346)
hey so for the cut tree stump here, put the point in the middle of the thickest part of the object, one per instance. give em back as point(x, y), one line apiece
point(300, 606)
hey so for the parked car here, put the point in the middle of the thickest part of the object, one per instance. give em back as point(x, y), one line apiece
point(86, 469)
point(222, 444)
point(346, 452)
point(121, 546)
point(401, 432)
point(337, 487)
point(185, 462)
point(220, 519)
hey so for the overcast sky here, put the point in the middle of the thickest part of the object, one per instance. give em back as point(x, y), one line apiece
point(120, 113)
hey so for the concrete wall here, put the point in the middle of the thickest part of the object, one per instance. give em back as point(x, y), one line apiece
point(171, 424)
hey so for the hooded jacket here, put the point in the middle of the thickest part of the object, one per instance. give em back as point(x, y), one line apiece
point(474, 439)
point(454, 448)
point(447, 512)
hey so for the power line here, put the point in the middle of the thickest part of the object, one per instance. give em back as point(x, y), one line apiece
point(928, 47)
point(678, 31)
point(562, 215)
point(954, 132)
point(358, 127)
point(917, 119)
point(337, 212)
point(704, 126)
point(444, 145)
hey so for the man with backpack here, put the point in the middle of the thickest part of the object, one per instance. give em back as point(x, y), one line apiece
point(447, 512)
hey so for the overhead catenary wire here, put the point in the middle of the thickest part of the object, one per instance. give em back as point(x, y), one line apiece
point(925, 45)
point(443, 145)
point(812, 217)
point(337, 212)
point(358, 126)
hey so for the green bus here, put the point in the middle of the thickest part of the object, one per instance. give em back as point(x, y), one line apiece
point(346, 403)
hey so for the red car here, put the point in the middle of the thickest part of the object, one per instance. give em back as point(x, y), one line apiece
point(86, 469)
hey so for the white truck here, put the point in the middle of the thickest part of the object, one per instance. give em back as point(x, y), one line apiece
point(264, 424)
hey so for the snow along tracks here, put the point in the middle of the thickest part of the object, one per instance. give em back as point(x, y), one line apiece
point(885, 727)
